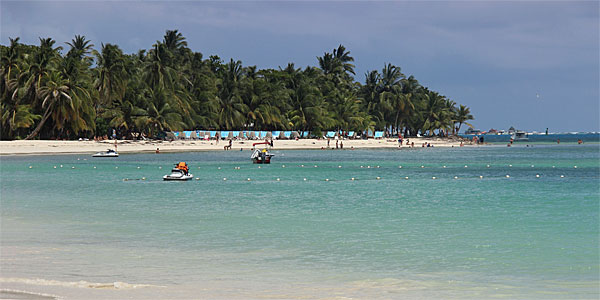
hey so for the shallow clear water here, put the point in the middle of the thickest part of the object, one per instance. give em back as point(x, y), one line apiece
point(518, 237)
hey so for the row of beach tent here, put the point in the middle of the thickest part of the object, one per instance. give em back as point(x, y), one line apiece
point(261, 135)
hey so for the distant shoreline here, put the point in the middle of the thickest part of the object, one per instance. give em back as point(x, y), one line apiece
point(51, 147)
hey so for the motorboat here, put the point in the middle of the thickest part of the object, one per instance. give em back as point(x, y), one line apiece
point(261, 156)
point(107, 153)
point(179, 172)
point(519, 136)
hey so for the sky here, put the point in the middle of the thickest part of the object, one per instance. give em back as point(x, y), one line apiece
point(528, 64)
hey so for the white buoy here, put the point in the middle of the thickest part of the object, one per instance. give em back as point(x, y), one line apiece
point(361, 166)
point(466, 166)
point(553, 167)
point(198, 167)
point(301, 166)
point(197, 178)
point(116, 167)
point(138, 167)
point(352, 178)
point(562, 176)
point(224, 179)
point(510, 165)
point(304, 179)
point(433, 177)
point(73, 167)
point(61, 166)
point(399, 167)
point(377, 177)
point(326, 179)
point(487, 166)
point(339, 167)
point(78, 159)
point(30, 167)
point(377, 167)
point(406, 177)
point(455, 177)
point(143, 178)
point(283, 166)
point(532, 166)
point(368, 167)
point(278, 179)
point(575, 167)
point(481, 177)
point(248, 179)
point(219, 168)
point(422, 166)
point(55, 167)
point(537, 175)
point(444, 167)
point(259, 167)
point(94, 167)
point(316, 166)
point(160, 167)
point(507, 176)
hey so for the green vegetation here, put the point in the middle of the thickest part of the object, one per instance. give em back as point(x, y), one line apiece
point(86, 92)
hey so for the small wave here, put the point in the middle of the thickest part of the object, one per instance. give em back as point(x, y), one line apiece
point(17, 294)
point(117, 285)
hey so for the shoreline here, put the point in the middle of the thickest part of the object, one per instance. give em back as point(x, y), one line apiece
point(52, 147)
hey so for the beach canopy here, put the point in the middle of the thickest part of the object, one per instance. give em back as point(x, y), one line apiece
point(287, 134)
point(194, 135)
point(281, 135)
point(170, 135)
point(262, 134)
point(188, 134)
point(213, 134)
point(269, 135)
point(295, 135)
point(275, 134)
point(378, 134)
point(230, 135)
point(241, 134)
point(251, 135)
point(330, 134)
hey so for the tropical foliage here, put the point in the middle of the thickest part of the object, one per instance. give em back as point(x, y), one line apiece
point(88, 92)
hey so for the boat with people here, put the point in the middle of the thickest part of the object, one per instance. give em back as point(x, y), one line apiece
point(519, 135)
point(107, 153)
point(180, 172)
point(261, 156)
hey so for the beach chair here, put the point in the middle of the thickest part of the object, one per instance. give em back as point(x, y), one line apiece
point(350, 134)
point(275, 134)
point(269, 135)
point(287, 134)
point(378, 134)
point(330, 134)
point(187, 134)
point(281, 135)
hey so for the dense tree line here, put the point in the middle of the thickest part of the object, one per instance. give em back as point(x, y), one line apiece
point(86, 92)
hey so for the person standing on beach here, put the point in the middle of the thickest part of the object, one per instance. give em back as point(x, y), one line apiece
point(328, 139)
point(341, 144)
point(337, 145)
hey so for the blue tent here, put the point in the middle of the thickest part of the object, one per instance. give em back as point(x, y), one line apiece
point(330, 134)
point(378, 134)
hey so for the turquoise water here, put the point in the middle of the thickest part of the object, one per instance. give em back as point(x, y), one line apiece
point(471, 237)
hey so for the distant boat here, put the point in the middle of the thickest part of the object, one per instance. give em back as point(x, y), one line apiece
point(519, 135)
point(472, 131)
point(108, 153)
point(261, 156)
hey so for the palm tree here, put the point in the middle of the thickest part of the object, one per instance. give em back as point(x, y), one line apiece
point(57, 102)
point(111, 77)
point(80, 47)
point(344, 58)
point(463, 114)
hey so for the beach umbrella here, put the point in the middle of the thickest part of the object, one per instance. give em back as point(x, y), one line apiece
point(269, 135)
point(230, 136)
point(281, 135)
point(170, 136)
point(251, 135)
point(241, 135)
point(194, 136)
point(295, 135)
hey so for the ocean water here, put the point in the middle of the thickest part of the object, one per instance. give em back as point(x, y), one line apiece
point(92, 228)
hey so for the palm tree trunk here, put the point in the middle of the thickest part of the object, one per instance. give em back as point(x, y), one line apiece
point(40, 125)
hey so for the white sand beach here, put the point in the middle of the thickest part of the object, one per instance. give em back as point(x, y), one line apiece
point(46, 147)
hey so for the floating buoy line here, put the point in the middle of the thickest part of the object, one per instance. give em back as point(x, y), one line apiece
point(388, 178)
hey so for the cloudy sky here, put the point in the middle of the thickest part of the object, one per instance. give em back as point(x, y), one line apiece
point(494, 56)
